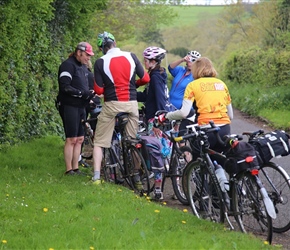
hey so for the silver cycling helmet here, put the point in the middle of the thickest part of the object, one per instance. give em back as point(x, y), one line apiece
point(154, 53)
point(194, 55)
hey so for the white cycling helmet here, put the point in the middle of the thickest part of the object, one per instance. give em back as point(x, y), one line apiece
point(154, 53)
point(194, 55)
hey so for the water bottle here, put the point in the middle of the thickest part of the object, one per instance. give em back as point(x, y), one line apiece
point(220, 174)
point(223, 181)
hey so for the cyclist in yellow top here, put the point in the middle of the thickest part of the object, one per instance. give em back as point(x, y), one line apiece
point(211, 97)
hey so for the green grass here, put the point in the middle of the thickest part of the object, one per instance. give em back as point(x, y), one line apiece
point(270, 103)
point(190, 15)
point(40, 208)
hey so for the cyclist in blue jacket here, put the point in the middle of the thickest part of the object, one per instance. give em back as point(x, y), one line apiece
point(182, 77)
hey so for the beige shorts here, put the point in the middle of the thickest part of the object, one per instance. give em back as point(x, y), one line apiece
point(106, 121)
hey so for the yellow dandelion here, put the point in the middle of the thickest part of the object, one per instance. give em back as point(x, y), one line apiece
point(92, 248)
point(45, 209)
point(147, 198)
point(50, 248)
point(156, 211)
point(94, 229)
point(164, 203)
point(185, 210)
point(120, 190)
point(266, 242)
point(4, 241)
point(183, 222)
point(7, 195)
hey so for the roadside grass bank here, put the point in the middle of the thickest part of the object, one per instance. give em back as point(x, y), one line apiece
point(40, 208)
point(271, 104)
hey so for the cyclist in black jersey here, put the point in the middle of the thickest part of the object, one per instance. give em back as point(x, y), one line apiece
point(73, 97)
point(115, 74)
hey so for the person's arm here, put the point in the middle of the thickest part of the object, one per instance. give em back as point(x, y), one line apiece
point(176, 63)
point(157, 88)
point(144, 77)
point(98, 84)
point(181, 113)
point(66, 71)
point(141, 96)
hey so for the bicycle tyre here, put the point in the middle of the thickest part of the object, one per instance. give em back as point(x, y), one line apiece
point(113, 169)
point(177, 166)
point(201, 192)
point(249, 207)
point(135, 158)
point(277, 183)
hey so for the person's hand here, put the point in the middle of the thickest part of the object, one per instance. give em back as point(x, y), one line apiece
point(161, 118)
point(187, 58)
point(92, 105)
point(157, 132)
point(88, 94)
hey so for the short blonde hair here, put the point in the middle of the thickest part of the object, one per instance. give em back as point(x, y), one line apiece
point(203, 67)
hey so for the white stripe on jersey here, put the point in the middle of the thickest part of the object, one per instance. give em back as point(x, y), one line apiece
point(65, 73)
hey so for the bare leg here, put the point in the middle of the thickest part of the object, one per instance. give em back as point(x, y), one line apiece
point(72, 149)
point(76, 152)
point(97, 158)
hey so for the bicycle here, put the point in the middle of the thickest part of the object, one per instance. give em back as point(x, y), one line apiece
point(175, 164)
point(277, 183)
point(124, 161)
point(88, 144)
point(246, 200)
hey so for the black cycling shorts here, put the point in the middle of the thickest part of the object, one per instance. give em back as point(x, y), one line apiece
point(71, 118)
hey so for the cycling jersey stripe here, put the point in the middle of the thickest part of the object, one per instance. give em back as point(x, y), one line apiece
point(65, 73)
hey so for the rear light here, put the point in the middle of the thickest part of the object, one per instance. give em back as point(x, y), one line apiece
point(249, 159)
point(254, 172)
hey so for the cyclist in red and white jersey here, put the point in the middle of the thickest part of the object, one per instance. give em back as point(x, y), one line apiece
point(115, 74)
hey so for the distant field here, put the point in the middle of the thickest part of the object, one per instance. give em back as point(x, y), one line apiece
point(190, 15)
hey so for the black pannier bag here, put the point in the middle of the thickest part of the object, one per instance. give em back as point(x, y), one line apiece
point(241, 156)
point(273, 144)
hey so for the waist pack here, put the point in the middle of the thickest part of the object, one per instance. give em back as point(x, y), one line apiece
point(151, 151)
point(241, 156)
point(273, 144)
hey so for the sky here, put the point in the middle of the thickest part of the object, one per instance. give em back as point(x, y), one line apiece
point(213, 2)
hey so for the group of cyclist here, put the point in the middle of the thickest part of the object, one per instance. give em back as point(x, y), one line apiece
point(195, 89)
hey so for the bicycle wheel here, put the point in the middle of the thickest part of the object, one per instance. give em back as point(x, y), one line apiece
point(135, 162)
point(249, 208)
point(277, 183)
point(179, 161)
point(113, 170)
point(202, 193)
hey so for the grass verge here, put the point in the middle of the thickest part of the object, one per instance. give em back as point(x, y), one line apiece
point(269, 103)
point(40, 208)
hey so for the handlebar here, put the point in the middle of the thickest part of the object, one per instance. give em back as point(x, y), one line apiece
point(254, 134)
point(200, 130)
